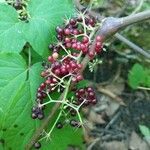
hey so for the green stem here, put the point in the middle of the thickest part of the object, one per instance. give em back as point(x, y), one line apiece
point(29, 57)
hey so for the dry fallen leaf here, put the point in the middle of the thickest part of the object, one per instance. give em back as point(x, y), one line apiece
point(136, 143)
point(95, 118)
point(114, 145)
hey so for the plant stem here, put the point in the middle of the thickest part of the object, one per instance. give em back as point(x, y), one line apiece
point(132, 45)
point(43, 126)
point(29, 57)
point(109, 27)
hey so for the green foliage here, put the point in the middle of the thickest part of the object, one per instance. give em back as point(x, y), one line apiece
point(82, 84)
point(145, 130)
point(61, 138)
point(10, 30)
point(18, 80)
point(40, 29)
point(139, 76)
point(17, 96)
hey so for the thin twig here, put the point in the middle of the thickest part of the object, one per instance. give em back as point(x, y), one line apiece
point(144, 88)
point(112, 121)
point(111, 26)
point(93, 143)
point(43, 126)
point(138, 7)
point(110, 94)
point(132, 45)
point(91, 12)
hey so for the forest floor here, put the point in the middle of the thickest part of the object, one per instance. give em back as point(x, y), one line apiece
point(114, 122)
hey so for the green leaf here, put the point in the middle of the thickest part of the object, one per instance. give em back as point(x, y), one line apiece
point(147, 77)
point(2, 1)
point(37, 33)
point(82, 84)
point(11, 34)
point(11, 66)
point(63, 138)
point(45, 15)
point(136, 76)
point(144, 130)
point(17, 96)
point(17, 125)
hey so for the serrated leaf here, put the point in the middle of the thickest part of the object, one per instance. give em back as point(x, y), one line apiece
point(17, 122)
point(63, 138)
point(45, 15)
point(17, 96)
point(11, 34)
point(11, 66)
point(138, 76)
point(144, 130)
point(37, 33)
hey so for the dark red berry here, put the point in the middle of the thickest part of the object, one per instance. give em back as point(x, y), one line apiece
point(99, 38)
point(91, 54)
point(48, 82)
point(79, 19)
point(85, 39)
point(55, 55)
point(74, 45)
point(57, 72)
point(50, 59)
point(75, 32)
point(68, 45)
point(59, 30)
point(98, 45)
point(67, 31)
point(67, 40)
point(89, 89)
point(59, 125)
point(79, 77)
point(34, 116)
point(59, 37)
point(94, 101)
point(73, 112)
point(72, 21)
point(74, 123)
point(37, 145)
point(78, 47)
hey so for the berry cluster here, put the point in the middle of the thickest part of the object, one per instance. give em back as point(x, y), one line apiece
point(75, 36)
point(72, 122)
point(74, 42)
point(37, 113)
point(20, 6)
point(86, 95)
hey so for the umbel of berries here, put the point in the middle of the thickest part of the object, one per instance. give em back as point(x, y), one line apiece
point(74, 41)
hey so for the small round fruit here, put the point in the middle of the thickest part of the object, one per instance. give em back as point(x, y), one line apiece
point(40, 116)
point(34, 115)
point(59, 125)
point(37, 145)
point(55, 55)
point(74, 123)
